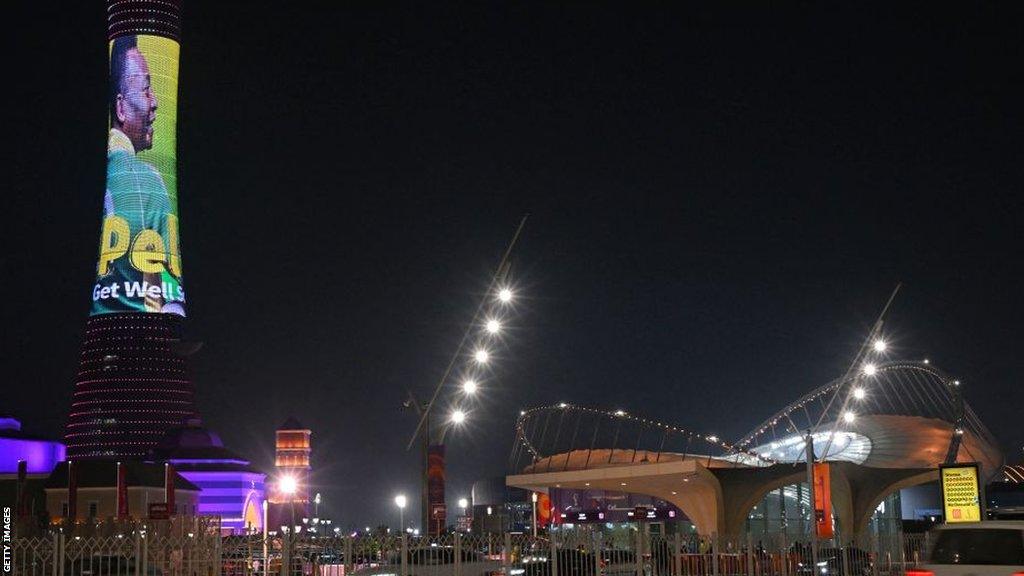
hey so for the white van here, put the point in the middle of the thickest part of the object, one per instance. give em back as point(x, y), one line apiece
point(993, 548)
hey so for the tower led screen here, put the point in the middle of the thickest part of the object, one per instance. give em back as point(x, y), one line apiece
point(139, 267)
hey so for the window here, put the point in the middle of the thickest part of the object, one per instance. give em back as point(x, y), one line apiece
point(978, 546)
point(64, 509)
point(94, 507)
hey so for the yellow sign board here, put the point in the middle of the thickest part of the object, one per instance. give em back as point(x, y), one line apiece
point(961, 493)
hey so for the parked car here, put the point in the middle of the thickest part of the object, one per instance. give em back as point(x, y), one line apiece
point(833, 561)
point(570, 563)
point(434, 561)
point(976, 549)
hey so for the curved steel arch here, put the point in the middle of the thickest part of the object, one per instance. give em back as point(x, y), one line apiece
point(546, 432)
point(905, 405)
point(887, 374)
point(902, 407)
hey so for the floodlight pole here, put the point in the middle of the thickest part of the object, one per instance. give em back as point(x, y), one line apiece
point(499, 273)
point(854, 368)
point(424, 410)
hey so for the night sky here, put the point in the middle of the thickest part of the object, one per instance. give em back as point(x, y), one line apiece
point(721, 201)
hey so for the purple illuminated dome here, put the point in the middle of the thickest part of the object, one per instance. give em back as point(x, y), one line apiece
point(231, 488)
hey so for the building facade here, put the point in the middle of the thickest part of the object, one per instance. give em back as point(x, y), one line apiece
point(132, 383)
point(231, 488)
point(289, 493)
point(871, 435)
point(89, 492)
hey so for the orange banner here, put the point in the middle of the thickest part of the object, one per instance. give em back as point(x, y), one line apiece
point(543, 509)
point(822, 500)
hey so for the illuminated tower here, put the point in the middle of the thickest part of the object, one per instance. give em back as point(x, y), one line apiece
point(289, 494)
point(132, 383)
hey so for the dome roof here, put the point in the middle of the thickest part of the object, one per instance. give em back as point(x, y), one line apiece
point(193, 446)
point(189, 435)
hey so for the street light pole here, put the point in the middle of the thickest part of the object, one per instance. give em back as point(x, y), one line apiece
point(289, 486)
point(266, 520)
point(463, 504)
point(400, 501)
point(533, 496)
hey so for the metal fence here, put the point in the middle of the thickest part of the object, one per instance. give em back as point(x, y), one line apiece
point(561, 553)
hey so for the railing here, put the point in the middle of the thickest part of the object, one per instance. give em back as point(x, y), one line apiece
point(562, 553)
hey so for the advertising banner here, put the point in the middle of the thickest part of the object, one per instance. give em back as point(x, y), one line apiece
point(139, 266)
point(961, 492)
point(543, 509)
point(435, 489)
point(122, 493)
point(169, 488)
point(822, 500)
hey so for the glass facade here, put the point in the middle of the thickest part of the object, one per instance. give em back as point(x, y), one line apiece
point(788, 509)
point(785, 509)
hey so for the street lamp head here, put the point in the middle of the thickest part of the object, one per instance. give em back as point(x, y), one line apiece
point(288, 485)
point(469, 386)
point(870, 369)
point(533, 496)
point(458, 417)
point(879, 345)
point(493, 326)
point(505, 295)
point(316, 499)
point(481, 356)
point(859, 393)
point(849, 417)
point(463, 503)
point(400, 501)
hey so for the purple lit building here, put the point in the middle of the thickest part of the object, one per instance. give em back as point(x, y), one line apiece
point(39, 454)
point(25, 465)
point(231, 487)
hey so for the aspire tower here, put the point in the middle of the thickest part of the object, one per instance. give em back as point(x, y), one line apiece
point(132, 383)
